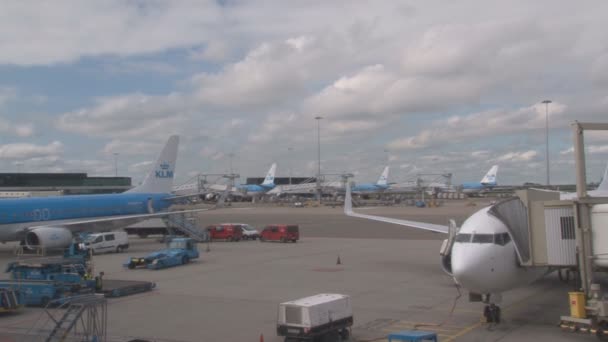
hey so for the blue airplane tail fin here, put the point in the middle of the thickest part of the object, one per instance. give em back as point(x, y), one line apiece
point(383, 180)
point(490, 177)
point(269, 180)
point(160, 178)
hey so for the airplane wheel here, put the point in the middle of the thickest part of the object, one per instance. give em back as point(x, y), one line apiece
point(564, 276)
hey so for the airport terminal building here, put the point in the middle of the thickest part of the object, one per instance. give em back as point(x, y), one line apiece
point(50, 184)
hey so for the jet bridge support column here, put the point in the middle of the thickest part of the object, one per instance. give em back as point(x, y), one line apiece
point(582, 210)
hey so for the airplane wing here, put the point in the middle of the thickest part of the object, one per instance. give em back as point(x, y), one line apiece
point(112, 222)
point(348, 210)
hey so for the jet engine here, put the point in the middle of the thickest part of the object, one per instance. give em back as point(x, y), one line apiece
point(210, 196)
point(48, 237)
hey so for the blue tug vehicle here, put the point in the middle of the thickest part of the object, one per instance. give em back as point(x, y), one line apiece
point(179, 251)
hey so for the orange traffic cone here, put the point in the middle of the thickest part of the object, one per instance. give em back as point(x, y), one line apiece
point(261, 337)
point(338, 262)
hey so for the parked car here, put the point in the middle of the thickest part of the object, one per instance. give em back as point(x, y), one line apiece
point(249, 232)
point(107, 242)
point(226, 231)
point(280, 232)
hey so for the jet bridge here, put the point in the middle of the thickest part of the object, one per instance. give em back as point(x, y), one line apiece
point(541, 226)
point(549, 232)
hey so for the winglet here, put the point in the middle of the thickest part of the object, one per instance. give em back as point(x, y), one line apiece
point(490, 177)
point(604, 183)
point(160, 178)
point(383, 180)
point(269, 180)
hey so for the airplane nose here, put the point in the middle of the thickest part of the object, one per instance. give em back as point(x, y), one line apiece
point(469, 267)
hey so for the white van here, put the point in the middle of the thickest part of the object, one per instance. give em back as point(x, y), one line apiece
point(107, 242)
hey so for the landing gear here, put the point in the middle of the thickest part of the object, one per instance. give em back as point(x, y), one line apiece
point(491, 313)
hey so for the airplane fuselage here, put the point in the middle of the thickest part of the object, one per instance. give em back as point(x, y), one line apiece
point(369, 188)
point(484, 259)
point(254, 188)
point(16, 215)
point(476, 187)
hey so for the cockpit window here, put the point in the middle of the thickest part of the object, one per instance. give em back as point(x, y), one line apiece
point(483, 238)
point(463, 238)
point(502, 239)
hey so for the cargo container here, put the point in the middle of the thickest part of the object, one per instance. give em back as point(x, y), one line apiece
point(322, 316)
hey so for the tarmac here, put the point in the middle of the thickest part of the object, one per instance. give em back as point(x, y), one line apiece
point(392, 273)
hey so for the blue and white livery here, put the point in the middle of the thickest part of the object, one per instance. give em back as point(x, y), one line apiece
point(380, 185)
point(487, 182)
point(50, 222)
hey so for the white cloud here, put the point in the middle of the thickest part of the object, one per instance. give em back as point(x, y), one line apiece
point(24, 130)
point(518, 156)
point(485, 124)
point(590, 149)
point(24, 151)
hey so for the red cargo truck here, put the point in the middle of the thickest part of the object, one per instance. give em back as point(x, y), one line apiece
point(280, 232)
point(227, 232)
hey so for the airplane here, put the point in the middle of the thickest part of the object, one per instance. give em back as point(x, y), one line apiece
point(481, 255)
point(51, 222)
point(487, 182)
point(267, 184)
point(380, 185)
point(601, 191)
point(244, 189)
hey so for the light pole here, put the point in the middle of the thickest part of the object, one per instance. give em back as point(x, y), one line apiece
point(115, 164)
point(318, 118)
point(230, 155)
point(289, 149)
point(546, 102)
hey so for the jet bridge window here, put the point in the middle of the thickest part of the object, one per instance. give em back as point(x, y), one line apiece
point(567, 227)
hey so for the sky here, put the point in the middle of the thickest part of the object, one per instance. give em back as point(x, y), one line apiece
point(425, 86)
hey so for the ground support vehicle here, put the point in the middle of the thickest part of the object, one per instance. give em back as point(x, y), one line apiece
point(225, 231)
point(280, 232)
point(324, 316)
point(179, 251)
point(117, 241)
point(41, 292)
